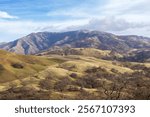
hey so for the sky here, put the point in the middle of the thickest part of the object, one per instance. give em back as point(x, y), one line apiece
point(19, 18)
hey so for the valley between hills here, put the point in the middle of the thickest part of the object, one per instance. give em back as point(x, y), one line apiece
point(78, 65)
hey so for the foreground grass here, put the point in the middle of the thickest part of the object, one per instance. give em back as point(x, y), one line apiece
point(71, 77)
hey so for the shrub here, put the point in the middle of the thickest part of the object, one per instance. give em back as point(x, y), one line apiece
point(61, 85)
point(17, 65)
point(46, 84)
point(88, 82)
point(141, 93)
point(73, 75)
point(114, 70)
point(24, 93)
point(2, 67)
point(99, 72)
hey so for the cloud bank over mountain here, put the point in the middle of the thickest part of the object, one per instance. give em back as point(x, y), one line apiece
point(116, 16)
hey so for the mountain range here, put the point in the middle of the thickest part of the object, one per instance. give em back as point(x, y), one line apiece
point(37, 42)
point(75, 65)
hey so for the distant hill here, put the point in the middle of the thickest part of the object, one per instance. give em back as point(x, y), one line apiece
point(37, 42)
point(138, 56)
point(91, 52)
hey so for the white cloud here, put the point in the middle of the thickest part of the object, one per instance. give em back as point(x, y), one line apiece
point(17, 29)
point(119, 17)
point(108, 24)
point(130, 10)
point(116, 16)
point(11, 30)
point(145, 31)
point(5, 15)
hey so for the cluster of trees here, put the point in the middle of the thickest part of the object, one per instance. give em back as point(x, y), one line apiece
point(22, 93)
point(116, 85)
point(97, 83)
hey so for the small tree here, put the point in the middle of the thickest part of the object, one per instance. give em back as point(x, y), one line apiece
point(17, 65)
point(46, 84)
point(113, 90)
point(61, 85)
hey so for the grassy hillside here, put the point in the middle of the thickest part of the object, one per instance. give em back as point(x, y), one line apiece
point(14, 66)
point(79, 76)
point(89, 52)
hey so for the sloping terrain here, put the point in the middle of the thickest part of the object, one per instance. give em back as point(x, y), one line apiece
point(37, 42)
point(13, 66)
point(75, 65)
point(76, 51)
point(54, 76)
point(138, 56)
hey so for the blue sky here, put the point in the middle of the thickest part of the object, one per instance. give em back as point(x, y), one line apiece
point(40, 10)
point(21, 17)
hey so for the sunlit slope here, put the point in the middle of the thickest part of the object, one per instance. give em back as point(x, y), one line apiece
point(14, 66)
point(66, 65)
point(52, 76)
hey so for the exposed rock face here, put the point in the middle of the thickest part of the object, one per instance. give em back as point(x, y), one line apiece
point(37, 42)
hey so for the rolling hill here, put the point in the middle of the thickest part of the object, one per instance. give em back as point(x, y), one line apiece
point(13, 66)
point(71, 76)
point(75, 65)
